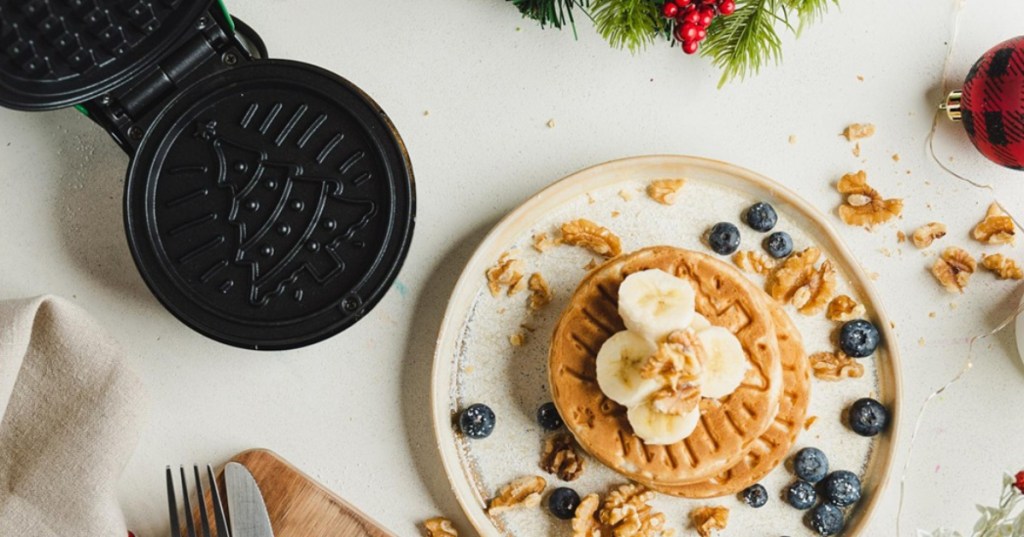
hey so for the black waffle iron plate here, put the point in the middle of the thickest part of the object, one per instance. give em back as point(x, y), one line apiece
point(269, 204)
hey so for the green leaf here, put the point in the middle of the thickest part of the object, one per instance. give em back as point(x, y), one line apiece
point(743, 42)
point(631, 24)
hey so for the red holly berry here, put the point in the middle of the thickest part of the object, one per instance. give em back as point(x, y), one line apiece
point(705, 16)
point(691, 16)
point(687, 32)
point(670, 10)
point(683, 3)
point(690, 47)
point(701, 34)
point(1019, 481)
point(727, 7)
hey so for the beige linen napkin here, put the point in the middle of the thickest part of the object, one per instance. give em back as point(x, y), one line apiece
point(71, 415)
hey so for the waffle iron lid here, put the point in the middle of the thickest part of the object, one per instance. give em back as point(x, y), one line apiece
point(56, 53)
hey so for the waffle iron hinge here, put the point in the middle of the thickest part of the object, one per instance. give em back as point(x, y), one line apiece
point(127, 111)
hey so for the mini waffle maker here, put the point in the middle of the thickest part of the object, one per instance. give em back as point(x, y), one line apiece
point(269, 204)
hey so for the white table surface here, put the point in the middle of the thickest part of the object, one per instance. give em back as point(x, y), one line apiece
point(353, 411)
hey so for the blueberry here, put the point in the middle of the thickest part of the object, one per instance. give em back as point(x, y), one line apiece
point(755, 495)
point(826, 519)
point(548, 418)
point(563, 502)
point(778, 244)
point(868, 417)
point(801, 494)
point(724, 238)
point(761, 217)
point(859, 338)
point(477, 421)
point(810, 464)
point(841, 488)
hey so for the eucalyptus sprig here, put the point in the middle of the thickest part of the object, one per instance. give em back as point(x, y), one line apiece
point(1003, 520)
point(739, 44)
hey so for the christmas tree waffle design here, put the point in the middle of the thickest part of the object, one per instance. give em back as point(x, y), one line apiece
point(286, 230)
point(270, 207)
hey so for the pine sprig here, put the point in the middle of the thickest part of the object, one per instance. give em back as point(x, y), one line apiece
point(808, 11)
point(742, 42)
point(555, 13)
point(631, 24)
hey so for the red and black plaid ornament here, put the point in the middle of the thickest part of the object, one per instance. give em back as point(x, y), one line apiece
point(991, 104)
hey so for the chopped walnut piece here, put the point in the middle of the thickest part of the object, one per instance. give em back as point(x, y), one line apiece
point(843, 308)
point(541, 242)
point(895, 157)
point(584, 522)
point(835, 366)
point(953, 269)
point(810, 422)
point(517, 339)
point(707, 519)
point(540, 293)
point(798, 281)
point(1004, 267)
point(677, 361)
point(755, 262)
point(996, 228)
point(626, 195)
point(665, 191)
point(561, 458)
point(856, 149)
point(925, 235)
point(677, 401)
point(864, 205)
point(858, 131)
point(440, 527)
point(586, 234)
point(627, 512)
point(523, 492)
point(508, 272)
point(901, 237)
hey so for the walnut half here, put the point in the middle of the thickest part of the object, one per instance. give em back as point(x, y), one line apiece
point(864, 206)
point(440, 527)
point(996, 228)
point(798, 281)
point(953, 269)
point(1003, 267)
point(523, 492)
point(627, 512)
point(858, 131)
point(709, 518)
point(678, 359)
point(835, 366)
point(587, 234)
point(561, 458)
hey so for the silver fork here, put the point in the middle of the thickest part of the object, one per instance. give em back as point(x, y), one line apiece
point(220, 522)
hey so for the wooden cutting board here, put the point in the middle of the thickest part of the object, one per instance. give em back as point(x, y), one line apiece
point(299, 506)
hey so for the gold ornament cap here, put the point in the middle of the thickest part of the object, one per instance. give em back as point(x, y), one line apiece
point(952, 105)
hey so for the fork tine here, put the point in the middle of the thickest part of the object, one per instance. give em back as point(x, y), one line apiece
point(172, 505)
point(204, 519)
point(189, 523)
point(218, 509)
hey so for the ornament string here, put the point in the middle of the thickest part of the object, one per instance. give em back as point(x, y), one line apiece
point(968, 364)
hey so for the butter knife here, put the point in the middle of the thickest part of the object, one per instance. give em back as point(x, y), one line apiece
point(247, 512)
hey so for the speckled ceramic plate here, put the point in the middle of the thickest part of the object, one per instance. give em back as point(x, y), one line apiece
point(476, 363)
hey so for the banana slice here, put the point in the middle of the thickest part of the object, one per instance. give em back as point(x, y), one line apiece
point(725, 363)
point(618, 368)
point(655, 303)
point(699, 322)
point(656, 428)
